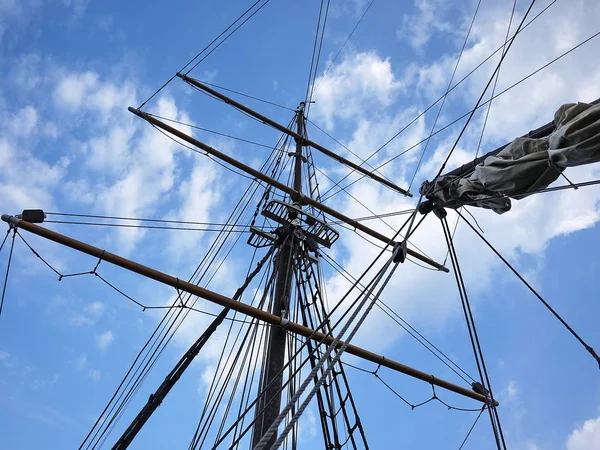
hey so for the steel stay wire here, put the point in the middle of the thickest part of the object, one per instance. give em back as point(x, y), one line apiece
point(145, 227)
point(344, 44)
point(311, 84)
point(472, 427)
point(138, 219)
point(229, 35)
point(248, 96)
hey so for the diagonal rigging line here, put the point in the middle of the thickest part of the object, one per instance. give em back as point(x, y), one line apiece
point(12, 245)
point(5, 238)
point(435, 103)
point(344, 44)
point(346, 148)
point(225, 166)
point(209, 45)
point(314, 50)
point(311, 84)
point(196, 127)
point(169, 320)
point(485, 385)
point(229, 35)
point(533, 291)
point(471, 429)
point(496, 70)
point(487, 113)
point(369, 209)
point(439, 112)
point(403, 323)
point(248, 96)
point(458, 119)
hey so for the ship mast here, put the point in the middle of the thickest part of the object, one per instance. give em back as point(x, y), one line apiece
point(272, 370)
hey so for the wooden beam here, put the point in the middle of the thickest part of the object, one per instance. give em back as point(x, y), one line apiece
point(295, 195)
point(294, 134)
point(243, 308)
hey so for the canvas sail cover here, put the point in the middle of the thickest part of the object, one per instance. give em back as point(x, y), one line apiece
point(525, 165)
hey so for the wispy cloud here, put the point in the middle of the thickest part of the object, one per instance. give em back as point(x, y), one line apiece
point(104, 340)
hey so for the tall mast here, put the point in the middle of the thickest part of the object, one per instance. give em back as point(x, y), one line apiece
point(271, 378)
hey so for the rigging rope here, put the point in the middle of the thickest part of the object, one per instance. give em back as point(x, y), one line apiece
point(486, 386)
point(344, 44)
point(512, 86)
point(146, 227)
point(439, 112)
point(332, 347)
point(12, 245)
point(533, 291)
point(137, 219)
point(404, 324)
point(489, 107)
point(472, 427)
point(311, 83)
point(207, 47)
point(438, 100)
point(169, 322)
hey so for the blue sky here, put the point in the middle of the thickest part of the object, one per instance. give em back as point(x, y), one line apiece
point(70, 68)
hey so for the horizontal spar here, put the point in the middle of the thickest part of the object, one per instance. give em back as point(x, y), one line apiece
point(295, 195)
point(243, 308)
point(295, 135)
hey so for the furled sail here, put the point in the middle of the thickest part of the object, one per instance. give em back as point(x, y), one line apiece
point(525, 165)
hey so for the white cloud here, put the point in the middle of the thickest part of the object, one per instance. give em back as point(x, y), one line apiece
point(361, 84)
point(417, 29)
point(104, 340)
point(90, 315)
point(587, 437)
point(95, 375)
point(74, 89)
point(511, 392)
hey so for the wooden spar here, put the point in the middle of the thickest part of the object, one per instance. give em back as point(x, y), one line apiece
point(243, 308)
point(292, 133)
point(295, 195)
